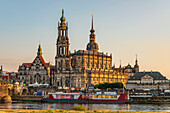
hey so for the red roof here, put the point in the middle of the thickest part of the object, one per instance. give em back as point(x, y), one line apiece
point(46, 65)
point(52, 67)
point(27, 65)
point(10, 75)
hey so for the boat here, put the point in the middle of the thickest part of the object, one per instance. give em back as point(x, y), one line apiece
point(139, 95)
point(98, 98)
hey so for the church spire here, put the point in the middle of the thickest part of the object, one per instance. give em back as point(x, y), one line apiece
point(92, 21)
point(120, 64)
point(136, 62)
point(92, 35)
point(39, 53)
point(92, 45)
point(136, 66)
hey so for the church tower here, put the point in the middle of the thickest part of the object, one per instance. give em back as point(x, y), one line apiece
point(62, 41)
point(92, 45)
point(62, 55)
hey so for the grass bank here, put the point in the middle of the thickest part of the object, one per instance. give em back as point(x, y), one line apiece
point(68, 111)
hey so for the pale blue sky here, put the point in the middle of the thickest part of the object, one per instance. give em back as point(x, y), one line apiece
point(123, 28)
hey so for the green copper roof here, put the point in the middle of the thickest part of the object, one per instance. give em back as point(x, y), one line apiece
point(62, 18)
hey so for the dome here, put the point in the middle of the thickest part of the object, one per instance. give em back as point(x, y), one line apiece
point(93, 46)
point(128, 66)
point(62, 18)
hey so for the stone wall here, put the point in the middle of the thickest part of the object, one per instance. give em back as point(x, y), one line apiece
point(3, 89)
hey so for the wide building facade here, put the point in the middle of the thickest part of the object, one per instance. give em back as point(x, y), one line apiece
point(85, 67)
point(147, 81)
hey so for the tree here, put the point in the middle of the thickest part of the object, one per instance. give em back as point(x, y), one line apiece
point(109, 85)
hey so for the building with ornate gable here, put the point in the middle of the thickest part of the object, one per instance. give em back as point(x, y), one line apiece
point(37, 71)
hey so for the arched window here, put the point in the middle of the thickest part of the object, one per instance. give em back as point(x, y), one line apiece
point(63, 32)
point(60, 32)
point(86, 64)
point(30, 77)
point(60, 50)
point(64, 50)
point(101, 65)
point(91, 64)
point(59, 64)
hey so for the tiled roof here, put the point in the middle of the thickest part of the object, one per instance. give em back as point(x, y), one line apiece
point(10, 74)
point(52, 66)
point(27, 64)
point(46, 65)
point(154, 75)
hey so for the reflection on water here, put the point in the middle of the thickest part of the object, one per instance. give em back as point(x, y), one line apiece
point(122, 107)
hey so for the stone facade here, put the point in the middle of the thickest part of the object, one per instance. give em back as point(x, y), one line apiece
point(85, 67)
point(147, 81)
point(37, 71)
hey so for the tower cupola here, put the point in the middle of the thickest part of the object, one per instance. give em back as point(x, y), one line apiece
point(62, 19)
point(92, 45)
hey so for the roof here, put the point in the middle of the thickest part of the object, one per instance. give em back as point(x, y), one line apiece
point(86, 52)
point(27, 64)
point(155, 75)
point(46, 65)
point(10, 74)
point(52, 66)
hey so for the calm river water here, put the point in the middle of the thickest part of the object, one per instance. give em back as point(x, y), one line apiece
point(123, 107)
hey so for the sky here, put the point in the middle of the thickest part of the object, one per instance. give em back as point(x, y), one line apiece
point(123, 27)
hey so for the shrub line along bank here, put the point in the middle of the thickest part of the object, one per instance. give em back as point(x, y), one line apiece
point(70, 111)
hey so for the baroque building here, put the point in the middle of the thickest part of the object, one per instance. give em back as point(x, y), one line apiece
point(85, 67)
point(150, 81)
point(36, 72)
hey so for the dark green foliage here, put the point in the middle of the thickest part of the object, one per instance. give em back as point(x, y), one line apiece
point(109, 85)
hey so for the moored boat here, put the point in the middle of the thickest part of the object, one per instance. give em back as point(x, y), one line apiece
point(98, 98)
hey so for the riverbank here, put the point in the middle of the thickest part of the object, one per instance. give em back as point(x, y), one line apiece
point(32, 98)
point(69, 111)
point(133, 100)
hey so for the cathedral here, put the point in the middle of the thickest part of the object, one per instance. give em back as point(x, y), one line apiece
point(85, 67)
point(81, 68)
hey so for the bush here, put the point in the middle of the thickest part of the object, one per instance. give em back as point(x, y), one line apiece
point(109, 85)
point(50, 111)
point(79, 108)
point(61, 110)
point(95, 111)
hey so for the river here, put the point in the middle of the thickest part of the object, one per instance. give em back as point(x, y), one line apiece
point(122, 107)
